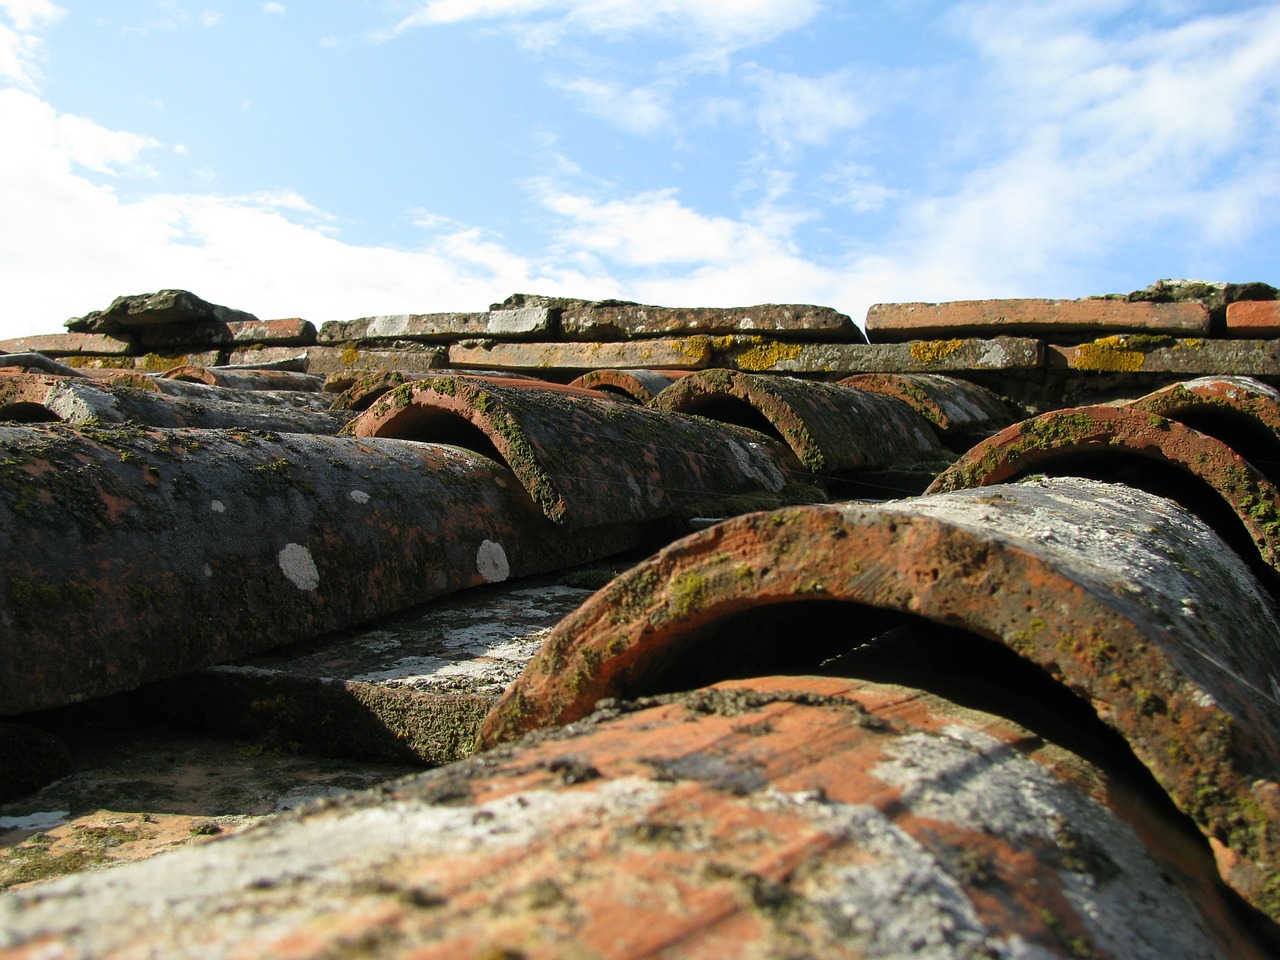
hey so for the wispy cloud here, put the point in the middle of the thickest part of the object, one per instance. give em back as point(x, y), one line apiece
point(796, 110)
point(211, 18)
point(733, 23)
point(20, 39)
point(275, 9)
point(640, 110)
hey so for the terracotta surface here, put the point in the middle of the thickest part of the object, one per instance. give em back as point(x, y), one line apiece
point(689, 353)
point(1253, 318)
point(1075, 576)
point(586, 459)
point(638, 385)
point(248, 540)
point(789, 816)
point(617, 320)
point(961, 411)
point(830, 429)
point(1145, 450)
point(888, 322)
point(440, 326)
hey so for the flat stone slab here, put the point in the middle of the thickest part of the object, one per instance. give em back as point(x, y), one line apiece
point(353, 359)
point(621, 320)
point(760, 355)
point(70, 344)
point(528, 321)
point(689, 353)
point(889, 322)
point(1192, 357)
point(412, 688)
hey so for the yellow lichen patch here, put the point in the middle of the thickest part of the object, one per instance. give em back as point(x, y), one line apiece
point(931, 351)
point(350, 356)
point(157, 363)
point(696, 350)
point(767, 355)
point(1117, 354)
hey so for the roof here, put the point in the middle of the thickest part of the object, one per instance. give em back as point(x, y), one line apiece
point(792, 625)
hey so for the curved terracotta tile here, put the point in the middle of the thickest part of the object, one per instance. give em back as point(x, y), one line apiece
point(1123, 597)
point(1201, 472)
point(1240, 411)
point(638, 385)
point(830, 429)
point(787, 816)
point(135, 555)
point(961, 411)
point(128, 399)
point(246, 379)
point(586, 459)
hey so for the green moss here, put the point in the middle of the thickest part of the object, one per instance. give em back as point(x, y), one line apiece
point(688, 594)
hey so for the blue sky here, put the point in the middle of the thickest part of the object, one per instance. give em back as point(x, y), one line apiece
point(343, 158)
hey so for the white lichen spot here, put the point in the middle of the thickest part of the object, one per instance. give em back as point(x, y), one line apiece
point(208, 570)
point(754, 461)
point(217, 506)
point(491, 561)
point(359, 496)
point(296, 564)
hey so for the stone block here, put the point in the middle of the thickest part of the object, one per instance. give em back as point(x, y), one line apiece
point(1192, 357)
point(619, 320)
point(687, 353)
point(158, 309)
point(759, 355)
point(517, 322)
point(328, 360)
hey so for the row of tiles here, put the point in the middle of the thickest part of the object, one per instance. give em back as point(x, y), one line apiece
point(264, 538)
point(1227, 775)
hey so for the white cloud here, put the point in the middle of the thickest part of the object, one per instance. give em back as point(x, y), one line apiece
point(639, 110)
point(795, 110)
point(29, 14)
point(70, 245)
point(20, 42)
point(274, 8)
point(724, 22)
point(1106, 141)
point(211, 18)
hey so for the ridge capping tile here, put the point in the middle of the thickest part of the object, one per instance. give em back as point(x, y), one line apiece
point(889, 322)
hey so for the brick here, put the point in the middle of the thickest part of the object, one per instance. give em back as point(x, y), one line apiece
point(1168, 355)
point(688, 353)
point(889, 322)
point(1073, 576)
point(760, 355)
point(71, 344)
point(521, 322)
point(1248, 319)
point(619, 320)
